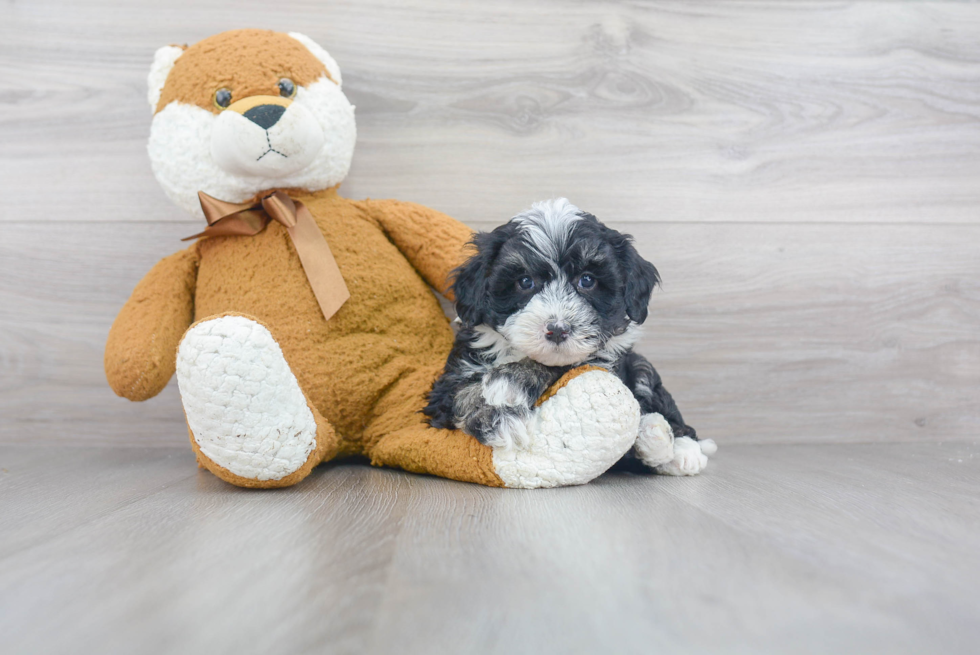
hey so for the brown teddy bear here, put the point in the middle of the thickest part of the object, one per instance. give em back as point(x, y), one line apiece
point(301, 325)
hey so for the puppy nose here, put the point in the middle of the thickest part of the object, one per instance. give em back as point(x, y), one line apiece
point(556, 332)
point(265, 116)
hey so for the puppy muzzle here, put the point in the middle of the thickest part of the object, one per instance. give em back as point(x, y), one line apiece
point(557, 331)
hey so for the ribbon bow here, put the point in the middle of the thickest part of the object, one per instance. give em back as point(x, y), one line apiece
point(248, 219)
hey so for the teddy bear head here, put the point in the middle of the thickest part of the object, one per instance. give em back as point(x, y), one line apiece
point(248, 111)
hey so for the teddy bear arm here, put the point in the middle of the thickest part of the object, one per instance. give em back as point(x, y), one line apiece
point(140, 352)
point(433, 242)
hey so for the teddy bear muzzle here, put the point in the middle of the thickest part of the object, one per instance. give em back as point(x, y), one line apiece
point(265, 136)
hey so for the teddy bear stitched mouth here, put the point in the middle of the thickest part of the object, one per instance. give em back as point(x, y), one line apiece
point(271, 149)
point(265, 116)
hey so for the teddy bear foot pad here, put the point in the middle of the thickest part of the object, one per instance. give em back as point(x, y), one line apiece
point(245, 409)
point(575, 436)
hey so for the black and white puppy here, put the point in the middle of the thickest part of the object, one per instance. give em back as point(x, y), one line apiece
point(548, 291)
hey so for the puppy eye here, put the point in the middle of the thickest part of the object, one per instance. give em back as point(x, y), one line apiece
point(586, 281)
point(286, 88)
point(222, 98)
point(526, 283)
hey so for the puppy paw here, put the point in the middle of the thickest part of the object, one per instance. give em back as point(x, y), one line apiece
point(708, 447)
point(509, 432)
point(688, 459)
point(498, 427)
point(501, 391)
point(654, 441)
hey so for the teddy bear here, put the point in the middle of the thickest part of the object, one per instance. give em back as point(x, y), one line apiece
point(302, 326)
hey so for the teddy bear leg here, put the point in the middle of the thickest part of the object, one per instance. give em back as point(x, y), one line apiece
point(587, 421)
point(250, 422)
point(398, 436)
point(446, 453)
point(582, 426)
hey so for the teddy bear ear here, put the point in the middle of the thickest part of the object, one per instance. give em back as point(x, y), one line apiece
point(320, 54)
point(163, 61)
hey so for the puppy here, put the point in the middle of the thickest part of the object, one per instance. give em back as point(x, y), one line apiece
point(548, 291)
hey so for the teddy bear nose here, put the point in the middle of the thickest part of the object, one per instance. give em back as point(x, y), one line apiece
point(265, 116)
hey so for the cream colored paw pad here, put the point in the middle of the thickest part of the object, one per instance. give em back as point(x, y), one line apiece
point(243, 403)
point(575, 436)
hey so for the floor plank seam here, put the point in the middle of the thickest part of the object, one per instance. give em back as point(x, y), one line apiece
point(92, 519)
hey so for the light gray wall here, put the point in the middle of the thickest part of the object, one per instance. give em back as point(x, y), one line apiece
point(805, 175)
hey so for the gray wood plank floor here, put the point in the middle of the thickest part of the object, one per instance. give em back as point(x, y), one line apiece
point(776, 548)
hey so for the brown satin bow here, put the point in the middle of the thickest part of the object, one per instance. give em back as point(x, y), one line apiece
point(248, 219)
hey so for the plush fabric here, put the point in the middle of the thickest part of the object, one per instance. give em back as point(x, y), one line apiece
point(270, 387)
point(139, 354)
point(215, 63)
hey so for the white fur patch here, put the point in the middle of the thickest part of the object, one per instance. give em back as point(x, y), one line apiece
point(511, 433)
point(654, 440)
point(688, 458)
point(620, 344)
point(317, 51)
point(525, 330)
point(180, 151)
point(242, 401)
point(501, 392)
point(547, 226)
point(575, 436)
point(708, 446)
point(163, 62)
point(499, 350)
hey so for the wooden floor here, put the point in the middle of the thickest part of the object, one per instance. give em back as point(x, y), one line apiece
point(806, 177)
point(783, 548)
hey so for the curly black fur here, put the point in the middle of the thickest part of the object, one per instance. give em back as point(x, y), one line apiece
point(599, 290)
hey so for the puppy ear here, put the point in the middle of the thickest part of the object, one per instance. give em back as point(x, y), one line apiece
point(469, 281)
point(641, 278)
point(469, 288)
point(163, 62)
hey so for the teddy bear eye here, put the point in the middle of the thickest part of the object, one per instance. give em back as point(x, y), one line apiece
point(222, 98)
point(286, 88)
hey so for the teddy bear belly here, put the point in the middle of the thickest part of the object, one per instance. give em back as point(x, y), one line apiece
point(391, 325)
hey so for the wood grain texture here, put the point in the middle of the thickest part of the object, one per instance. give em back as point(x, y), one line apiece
point(764, 333)
point(716, 111)
point(775, 549)
point(804, 175)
